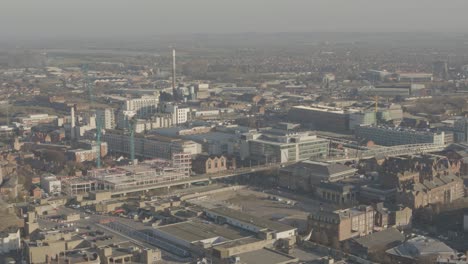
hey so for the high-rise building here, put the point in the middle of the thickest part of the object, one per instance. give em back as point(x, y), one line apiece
point(440, 70)
point(106, 118)
point(201, 90)
point(180, 115)
point(460, 129)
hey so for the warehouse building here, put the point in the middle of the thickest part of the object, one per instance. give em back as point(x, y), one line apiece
point(393, 136)
point(264, 228)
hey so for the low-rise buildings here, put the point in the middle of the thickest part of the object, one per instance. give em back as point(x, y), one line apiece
point(392, 216)
point(420, 248)
point(148, 173)
point(205, 164)
point(441, 189)
point(342, 224)
point(36, 119)
point(376, 243)
point(191, 234)
point(337, 193)
point(10, 239)
point(89, 153)
point(305, 175)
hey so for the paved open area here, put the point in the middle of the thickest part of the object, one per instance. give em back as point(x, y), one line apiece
point(262, 204)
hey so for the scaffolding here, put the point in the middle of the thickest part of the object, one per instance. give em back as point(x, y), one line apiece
point(75, 186)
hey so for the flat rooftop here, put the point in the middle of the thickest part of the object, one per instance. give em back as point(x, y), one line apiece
point(322, 108)
point(266, 256)
point(193, 231)
point(247, 218)
point(8, 222)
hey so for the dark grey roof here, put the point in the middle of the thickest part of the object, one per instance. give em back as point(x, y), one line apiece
point(419, 246)
point(383, 239)
point(337, 186)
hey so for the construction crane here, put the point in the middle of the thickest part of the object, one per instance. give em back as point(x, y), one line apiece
point(89, 86)
point(131, 124)
point(376, 99)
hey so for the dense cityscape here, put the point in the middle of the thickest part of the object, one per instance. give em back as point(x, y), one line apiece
point(245, 148)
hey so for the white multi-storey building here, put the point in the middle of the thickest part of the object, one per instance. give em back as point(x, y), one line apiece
point(152, 146)
point(33, 120)
point(179, 114)
point(144, 106)
point(106, 118)
point(282, 148)
point(51, 184)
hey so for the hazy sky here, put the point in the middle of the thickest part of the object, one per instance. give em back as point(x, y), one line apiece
point(142, 17)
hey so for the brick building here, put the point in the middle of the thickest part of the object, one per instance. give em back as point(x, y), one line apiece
point(205, 164)
point(81, 155)
point(340, 225)
point(443, 188)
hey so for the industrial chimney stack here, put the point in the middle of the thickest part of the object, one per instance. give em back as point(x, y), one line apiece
point(174, 90)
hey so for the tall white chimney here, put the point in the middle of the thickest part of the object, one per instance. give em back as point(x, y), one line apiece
point(72, 127)
point(173, 74)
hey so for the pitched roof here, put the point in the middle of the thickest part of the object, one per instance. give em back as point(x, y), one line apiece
point(420, 246)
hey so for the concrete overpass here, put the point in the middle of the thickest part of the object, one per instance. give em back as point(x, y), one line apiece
point(200, 178)
point(392, 151)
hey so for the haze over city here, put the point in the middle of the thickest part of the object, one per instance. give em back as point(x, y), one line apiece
point(234, 132)
point(55, 18)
